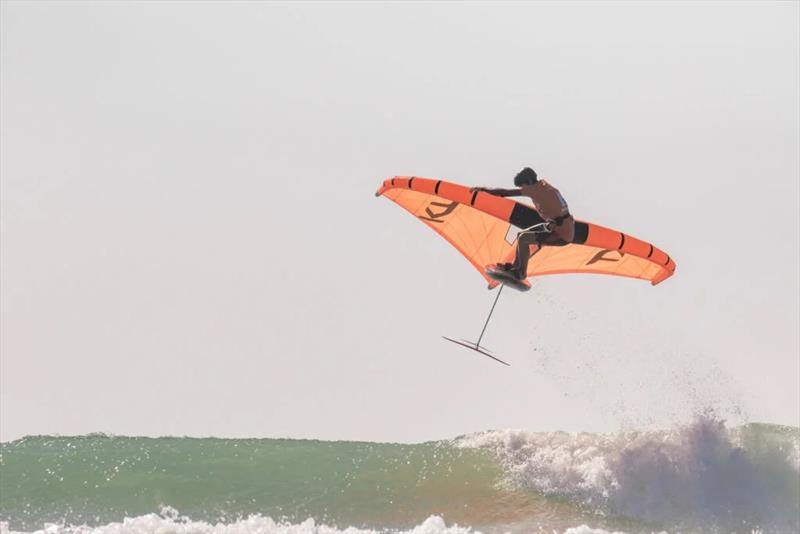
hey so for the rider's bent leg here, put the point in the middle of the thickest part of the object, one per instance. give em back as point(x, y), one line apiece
point(524, 242)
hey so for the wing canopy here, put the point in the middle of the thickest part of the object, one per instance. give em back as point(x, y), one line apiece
point(483, 228)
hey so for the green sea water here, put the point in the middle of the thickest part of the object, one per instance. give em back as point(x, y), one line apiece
point(701, 476)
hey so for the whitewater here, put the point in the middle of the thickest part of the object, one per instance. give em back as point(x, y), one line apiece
point(701, 476)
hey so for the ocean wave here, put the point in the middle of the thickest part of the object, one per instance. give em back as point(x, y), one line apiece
point(701, 476)
point(698, 476)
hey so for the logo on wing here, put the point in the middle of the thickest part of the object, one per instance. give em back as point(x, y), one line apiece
point(606, 255)
point(438, 216)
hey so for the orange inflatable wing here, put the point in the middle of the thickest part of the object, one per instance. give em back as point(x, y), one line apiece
point(483, 228)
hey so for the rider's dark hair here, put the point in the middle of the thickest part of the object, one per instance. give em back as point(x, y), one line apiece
point(526, 176)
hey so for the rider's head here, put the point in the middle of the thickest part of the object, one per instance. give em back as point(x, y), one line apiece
point(526, 176)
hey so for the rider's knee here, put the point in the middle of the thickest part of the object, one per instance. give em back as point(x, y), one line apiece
point(528, 238)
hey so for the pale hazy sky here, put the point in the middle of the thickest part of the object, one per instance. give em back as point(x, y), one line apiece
point(191, 245)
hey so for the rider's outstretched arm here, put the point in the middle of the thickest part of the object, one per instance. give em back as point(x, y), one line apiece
point(501, 192)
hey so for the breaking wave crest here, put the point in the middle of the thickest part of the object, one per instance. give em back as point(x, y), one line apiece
point(698, 476)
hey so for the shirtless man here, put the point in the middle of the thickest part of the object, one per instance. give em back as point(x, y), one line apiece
point(557, 230)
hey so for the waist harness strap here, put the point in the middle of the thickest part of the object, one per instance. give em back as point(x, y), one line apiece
point(561, 218)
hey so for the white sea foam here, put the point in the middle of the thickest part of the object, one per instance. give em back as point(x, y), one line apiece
point(170, 522)
point(585, 529)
